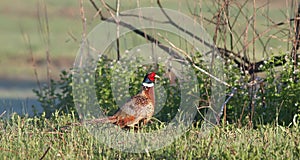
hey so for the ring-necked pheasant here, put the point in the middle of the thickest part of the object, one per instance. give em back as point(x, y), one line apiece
point(139, 107)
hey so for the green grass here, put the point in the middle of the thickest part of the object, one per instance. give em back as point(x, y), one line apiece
point(30, 138)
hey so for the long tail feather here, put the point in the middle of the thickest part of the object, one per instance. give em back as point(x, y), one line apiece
point(111, 119)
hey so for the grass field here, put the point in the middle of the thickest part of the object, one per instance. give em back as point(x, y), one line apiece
point(34, 138)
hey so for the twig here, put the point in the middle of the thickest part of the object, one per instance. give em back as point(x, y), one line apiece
point(45, 31)
point(117, 21)
point(73, 37)
point(296, 42)
point(160, 45)
point(229, 25)
point(99, 10)
point(118, 29)
point(47, 150)
point(233, 91)
point(245, 35)
point(84, 41)
point(258, 36)
point(241, 115)
point(241, 61)
point(83, 20)
point(109, 10)
point(205, 117)
point(191, 61)
point(253, 94)
point(27, 40)
point(254, 29)
point(7, 150)
point(208, 44)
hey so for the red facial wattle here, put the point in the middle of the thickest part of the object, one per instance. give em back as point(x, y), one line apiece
point(151, 76)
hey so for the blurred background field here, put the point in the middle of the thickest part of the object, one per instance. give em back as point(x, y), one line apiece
point(23, 25)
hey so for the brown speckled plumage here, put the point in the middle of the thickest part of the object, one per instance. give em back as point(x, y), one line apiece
point(139, 107)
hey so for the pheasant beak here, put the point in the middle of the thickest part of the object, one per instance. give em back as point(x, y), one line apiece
point(156, 76)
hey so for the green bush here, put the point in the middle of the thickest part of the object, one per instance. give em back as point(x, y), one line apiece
point(106, 74)
point(57, 96)
point(275, 100)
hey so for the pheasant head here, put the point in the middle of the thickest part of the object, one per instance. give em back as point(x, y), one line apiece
point(148, 86)
point(149, 80)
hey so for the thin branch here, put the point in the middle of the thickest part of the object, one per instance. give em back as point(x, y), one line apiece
point(45, 32)
point(238, 59)
point(99, 11)
point(232, 93)
point(118, 29)
point(253, 93)
point(27, 40)
point(11, 151)
point(296, 41)
point(45, 153)
point(109, 9)
point(192, 62)
point(258, 36)
point(83, 20)
point(83, 36)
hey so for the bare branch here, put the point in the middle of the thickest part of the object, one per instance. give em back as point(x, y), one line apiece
point(109, 9)
point(27, 40)
point(118, 29)
point(192, 62)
